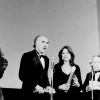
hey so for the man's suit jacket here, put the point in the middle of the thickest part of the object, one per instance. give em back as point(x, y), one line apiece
point(31, 71)
point(88, 78)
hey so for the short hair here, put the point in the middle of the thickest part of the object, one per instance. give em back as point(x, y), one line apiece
point(34, 45)
point(97, 55)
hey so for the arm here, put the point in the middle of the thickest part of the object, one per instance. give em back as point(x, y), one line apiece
point(22, 67)
point(86, 83)
point(77, 81)
point(56, 80)
point(28, 72)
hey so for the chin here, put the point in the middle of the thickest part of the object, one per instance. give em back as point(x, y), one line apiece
point(43, 52)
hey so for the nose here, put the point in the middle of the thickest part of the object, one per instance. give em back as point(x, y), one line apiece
point(46, 44)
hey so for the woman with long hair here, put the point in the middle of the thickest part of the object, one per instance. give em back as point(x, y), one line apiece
point(67, 76)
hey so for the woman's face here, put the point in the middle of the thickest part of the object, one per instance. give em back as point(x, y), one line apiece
point(66, 55)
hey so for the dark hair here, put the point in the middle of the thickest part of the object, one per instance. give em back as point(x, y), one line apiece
point(3, 64)
point(34, 45)
point(1, 54)
point(71, 53)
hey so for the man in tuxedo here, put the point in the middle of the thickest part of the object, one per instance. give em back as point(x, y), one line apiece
point(34, 68)
point(91, 86)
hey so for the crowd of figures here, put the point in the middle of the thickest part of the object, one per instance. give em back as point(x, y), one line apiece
point(42, 79)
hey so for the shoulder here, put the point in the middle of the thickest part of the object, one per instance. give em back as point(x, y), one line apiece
point(77, 67)
point(28, 55)
point(33, 52)
point(57, 66)
point(89, 73)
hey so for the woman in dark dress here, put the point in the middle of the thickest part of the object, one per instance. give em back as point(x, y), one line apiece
point(67, 77)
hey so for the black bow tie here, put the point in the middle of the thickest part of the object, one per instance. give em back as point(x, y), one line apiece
point(42, 56)
point(96, 71)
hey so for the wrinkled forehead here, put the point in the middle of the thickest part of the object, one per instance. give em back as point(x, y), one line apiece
point(42, 38)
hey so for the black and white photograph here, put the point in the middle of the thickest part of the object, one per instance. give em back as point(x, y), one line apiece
point(49, 49)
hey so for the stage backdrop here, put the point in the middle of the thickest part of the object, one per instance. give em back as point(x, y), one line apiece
point(64, 22)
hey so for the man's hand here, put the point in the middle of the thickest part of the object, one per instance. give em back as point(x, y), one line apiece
point(49, 90)
point(88, 88)
point(39, 89)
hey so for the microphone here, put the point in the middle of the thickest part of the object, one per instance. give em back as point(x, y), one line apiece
point(52, 63)
point(51, 80)
point(51, 69)
point(93, 73)
point(91, 63)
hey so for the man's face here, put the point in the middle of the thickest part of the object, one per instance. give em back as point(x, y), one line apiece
point(42, 44)
point(96, 63)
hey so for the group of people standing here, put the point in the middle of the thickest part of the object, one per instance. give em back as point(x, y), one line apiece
point(67, 82)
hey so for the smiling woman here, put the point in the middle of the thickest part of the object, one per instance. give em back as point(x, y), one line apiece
point(67, 75)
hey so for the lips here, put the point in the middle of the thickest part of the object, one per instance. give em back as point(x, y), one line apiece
point(44, 48)
point(66, 57)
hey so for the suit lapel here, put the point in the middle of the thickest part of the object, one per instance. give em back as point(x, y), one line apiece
point(37, 61)
point(99, 78)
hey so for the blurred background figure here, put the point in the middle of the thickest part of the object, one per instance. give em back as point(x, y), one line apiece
point(3, 66)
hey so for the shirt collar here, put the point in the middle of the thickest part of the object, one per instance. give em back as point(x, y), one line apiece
point(40, 55)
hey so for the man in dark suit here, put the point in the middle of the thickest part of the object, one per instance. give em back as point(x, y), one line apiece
point(91, 86)
point(34, 68)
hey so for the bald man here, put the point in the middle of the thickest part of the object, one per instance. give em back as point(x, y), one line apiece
point(33, 69)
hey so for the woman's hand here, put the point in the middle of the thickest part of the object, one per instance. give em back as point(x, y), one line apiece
point(64, 87)
point(75, 82)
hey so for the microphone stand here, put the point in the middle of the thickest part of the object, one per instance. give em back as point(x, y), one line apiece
point(92, 85)
point(52, 68)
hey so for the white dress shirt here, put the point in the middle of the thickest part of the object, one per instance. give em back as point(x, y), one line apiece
point(42, 62)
